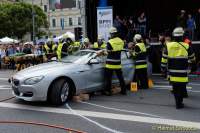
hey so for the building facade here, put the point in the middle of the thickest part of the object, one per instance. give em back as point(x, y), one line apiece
point(62, 15)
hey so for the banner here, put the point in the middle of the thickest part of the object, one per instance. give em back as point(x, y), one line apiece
point(104, 21)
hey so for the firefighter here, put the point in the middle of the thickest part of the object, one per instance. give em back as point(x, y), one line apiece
point(49, 47)
point(86, 43)
point(100, 44)
point(113, 62)
point(64, 45)
point(140, 56)
point(175, 59)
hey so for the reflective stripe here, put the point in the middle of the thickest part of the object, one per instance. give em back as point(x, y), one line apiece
point(113, 60)
point(138, 61)
point(141, 66)
point(179, 57)
point(163, 65)
point(113, 66)
point(191, 56)
point(178, 71)
point(165, 56)
point(179, 79)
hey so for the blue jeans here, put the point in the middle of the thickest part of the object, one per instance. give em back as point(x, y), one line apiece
point(142, 30)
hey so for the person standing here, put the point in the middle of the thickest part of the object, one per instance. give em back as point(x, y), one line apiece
point(142, 21)
point(191, 26)
point(113, 62)
point(175, 58)
point(49, 47)
point(63, 47)
point(100, 44)
point(181, 20)
point(140, 56)
point(197, 21)
point(86, 44)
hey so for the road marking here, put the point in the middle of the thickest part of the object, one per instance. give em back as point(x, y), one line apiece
point(5, 87)
point(4, 79)
point(168, 86)
point(113, 116)
point(165, 87)
point(94, 122)
point(121, 110)
point(166, 82)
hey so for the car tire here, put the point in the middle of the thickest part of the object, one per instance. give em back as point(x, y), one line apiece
point(61, 92)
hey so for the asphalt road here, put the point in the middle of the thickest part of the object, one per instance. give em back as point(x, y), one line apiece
point(146, 111)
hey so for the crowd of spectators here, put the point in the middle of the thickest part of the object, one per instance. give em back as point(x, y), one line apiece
point(191, 23)
point(128, 26)
point(7, 50)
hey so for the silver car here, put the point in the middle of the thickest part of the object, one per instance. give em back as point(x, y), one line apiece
point(57, 81)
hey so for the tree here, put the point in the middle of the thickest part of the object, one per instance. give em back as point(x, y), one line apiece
point(16, 19)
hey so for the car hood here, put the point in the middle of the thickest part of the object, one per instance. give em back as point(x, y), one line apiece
point(45, 68)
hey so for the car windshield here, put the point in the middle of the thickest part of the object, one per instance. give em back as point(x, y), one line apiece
point(80, 57)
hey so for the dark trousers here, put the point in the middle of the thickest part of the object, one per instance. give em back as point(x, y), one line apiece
point(108, 78)
point(179, 90)
point(141, 78)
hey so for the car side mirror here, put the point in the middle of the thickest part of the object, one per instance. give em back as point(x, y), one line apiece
point(93, 61)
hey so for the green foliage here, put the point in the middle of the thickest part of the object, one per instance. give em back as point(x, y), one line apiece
point(16, 19)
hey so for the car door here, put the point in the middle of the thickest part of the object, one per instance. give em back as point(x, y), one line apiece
point(95, 78)
point(127, 66)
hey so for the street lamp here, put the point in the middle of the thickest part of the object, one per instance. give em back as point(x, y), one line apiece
point(33, 21)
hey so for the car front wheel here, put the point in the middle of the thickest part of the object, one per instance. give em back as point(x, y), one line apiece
point(61, 92)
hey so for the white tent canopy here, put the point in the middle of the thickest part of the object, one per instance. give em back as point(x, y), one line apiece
point(7, 40)
point(69, 34)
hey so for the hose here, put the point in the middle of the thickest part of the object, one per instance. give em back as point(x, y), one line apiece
point(38, 124)
point(43, 125)
point(3, 100)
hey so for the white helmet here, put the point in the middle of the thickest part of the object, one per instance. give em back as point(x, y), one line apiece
point(50, 40)
point(112, 30)
point(137, 37)
point(70, 35)
point(100, 37)
point(178, 32)
point(86, 40)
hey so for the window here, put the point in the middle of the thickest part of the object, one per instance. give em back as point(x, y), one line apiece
point(79, 4)
point(62, 23)
point(70, 22)
point(53, 22)
point(79, 20)
point(45, 8)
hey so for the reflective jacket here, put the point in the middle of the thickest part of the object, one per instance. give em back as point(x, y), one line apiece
point(49, 50)
point(103, 46)
point(175, 59)
point(59, 51)
point(115, 46)
point(62, 50)
point(140, 55)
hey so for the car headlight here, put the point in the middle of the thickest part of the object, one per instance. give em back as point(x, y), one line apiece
point(33, 80)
